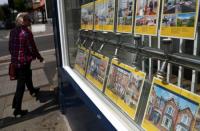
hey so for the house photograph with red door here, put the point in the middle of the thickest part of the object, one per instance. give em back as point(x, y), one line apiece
point(169, 111)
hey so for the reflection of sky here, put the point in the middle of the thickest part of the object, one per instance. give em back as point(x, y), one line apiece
point(183, 103)
point(170, 16)
point(3, 2)
point(186, 16)
point(139, 17)
point(100, 9)
point(123, 3)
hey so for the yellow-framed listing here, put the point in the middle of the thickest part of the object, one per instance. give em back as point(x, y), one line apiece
point(179, 19)
point(104, 15)
point(97, 68)
point(109, 15)
point(81, 60)
point(125, 16)
point(146, 17)
point(98, 15)
point(124, 87)
point(171, 108)
point(87, 13)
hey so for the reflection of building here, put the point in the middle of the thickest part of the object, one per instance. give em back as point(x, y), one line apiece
point(39, 14)
point(167, 115)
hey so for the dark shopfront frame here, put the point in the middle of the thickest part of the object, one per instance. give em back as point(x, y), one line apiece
point(112, 118)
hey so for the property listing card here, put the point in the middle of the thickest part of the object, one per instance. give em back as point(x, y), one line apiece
point(104, 15)
point(109, 15)
point(81, 60)
point(146, 17)
point(98, 15)
point(179, 18)
point(171, 108)
point(124, 87)
point(87, 12)
point(97, 69)
point(125, 16)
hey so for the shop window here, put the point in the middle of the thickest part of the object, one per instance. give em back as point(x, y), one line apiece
point(170, 111)
point(167, 122)
point(185, 120)
point(180, 128)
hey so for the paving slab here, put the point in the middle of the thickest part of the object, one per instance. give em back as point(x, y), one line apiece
point(7, 86)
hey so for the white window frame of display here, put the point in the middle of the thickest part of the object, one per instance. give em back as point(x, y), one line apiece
point(185, 119)
point(109, 110)
point(164, 120)
point(170, 112)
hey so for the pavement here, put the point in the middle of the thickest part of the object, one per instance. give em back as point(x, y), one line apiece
point(44, 113)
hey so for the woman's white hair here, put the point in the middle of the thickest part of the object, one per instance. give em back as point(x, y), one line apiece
point(20, 18)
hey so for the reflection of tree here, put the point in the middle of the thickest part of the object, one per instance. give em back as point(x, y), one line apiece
point(191, 22)
point(186, 22)
point(179, 22)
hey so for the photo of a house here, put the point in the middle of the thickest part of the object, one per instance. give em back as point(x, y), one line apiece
point(169, 7)
point(185, 6)
point(146, 7)
point(151, 20)
point(186, 20)
point(99, 13)
point(81, 59)
point(125, 12)
point(97, 68)
point(87, 14)
point(125, 84)
point(109, 12)
point(84, 16)
point(169, 20)
point(168, 111)
point(146, 20)
point(140, 20)
point(179, 6)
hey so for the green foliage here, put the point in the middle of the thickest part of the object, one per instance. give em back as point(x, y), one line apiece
point(1, 14)
point(191, 22)
point(5, 12)
point(21, 5)
point(179, 23)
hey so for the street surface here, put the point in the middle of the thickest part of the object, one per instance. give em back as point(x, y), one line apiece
point(44, 113)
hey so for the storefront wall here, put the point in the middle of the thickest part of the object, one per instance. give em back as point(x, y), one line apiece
point(69, 15)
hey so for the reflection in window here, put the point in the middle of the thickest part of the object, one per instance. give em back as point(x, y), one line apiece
point(180, 128)
point(167, 122)
point(185, 120)
point(170, 111)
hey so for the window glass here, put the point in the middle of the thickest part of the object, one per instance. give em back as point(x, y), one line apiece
point(185, 120)
point(166, 122)
point(170, 111)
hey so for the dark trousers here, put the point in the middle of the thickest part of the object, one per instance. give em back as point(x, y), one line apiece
point(24, 77)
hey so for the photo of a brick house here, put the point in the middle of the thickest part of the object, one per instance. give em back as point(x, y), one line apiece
point(168, 111)
point(125, 84)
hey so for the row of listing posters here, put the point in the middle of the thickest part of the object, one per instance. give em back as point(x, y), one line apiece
point(178, 17)
point(168, 108)
point(124, 84)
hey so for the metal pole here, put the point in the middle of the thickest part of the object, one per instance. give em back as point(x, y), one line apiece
point(180, 71)
point(194, 72)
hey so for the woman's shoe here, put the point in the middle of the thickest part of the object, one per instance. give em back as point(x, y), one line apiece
point(35, 92)
point(20, 113)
